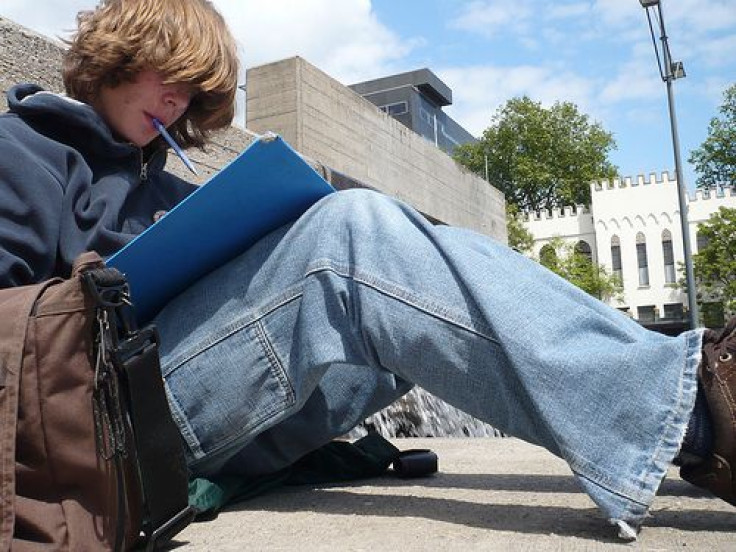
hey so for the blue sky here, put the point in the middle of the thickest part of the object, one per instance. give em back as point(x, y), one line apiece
point(597, 54)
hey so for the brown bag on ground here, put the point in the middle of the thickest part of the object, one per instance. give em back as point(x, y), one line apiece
point(73, 469)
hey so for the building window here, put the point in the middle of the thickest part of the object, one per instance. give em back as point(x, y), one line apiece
point(583, 248)
point(674, 311)
point(701, 242)
point(426, 116)
point(398, 108)
point(669, 258)
point(616, 258)
point(646, 314)
point(641, 257)
point(548, 256)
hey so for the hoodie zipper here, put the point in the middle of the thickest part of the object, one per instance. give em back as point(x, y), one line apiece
point(144, 167)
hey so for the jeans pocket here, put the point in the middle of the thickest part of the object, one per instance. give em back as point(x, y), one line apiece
point(229, 387)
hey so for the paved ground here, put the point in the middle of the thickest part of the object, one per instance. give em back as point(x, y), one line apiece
point(491, 494)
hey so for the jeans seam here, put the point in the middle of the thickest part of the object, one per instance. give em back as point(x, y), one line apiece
point(249, 318)
point(182, 422)
point(277, 367)
point(397, 292)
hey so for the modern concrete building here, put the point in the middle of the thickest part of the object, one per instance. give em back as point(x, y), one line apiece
point(632, 227)
point(416, 99)
point(329, 122)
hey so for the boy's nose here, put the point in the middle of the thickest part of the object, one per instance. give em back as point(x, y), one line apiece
point(177, 100)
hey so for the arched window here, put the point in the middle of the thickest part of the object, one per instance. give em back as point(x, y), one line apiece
point(583, 248)
point(548, 256)
point(641, 257)
point(701, 242)
point(669, 257)
point(616, 258)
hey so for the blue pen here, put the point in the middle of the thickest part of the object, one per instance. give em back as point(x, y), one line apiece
point(183, 156)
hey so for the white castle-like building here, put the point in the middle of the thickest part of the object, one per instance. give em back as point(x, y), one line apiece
point(632, 227)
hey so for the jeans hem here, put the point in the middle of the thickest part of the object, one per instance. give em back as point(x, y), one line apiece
point(632, 507)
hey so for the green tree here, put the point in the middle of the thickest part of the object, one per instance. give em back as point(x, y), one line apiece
point(519, 237)
point(566, 260)
point(715, 263)
point(715, 159)
point(541, 158)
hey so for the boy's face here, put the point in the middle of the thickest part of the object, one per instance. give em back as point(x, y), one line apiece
point(130, 107)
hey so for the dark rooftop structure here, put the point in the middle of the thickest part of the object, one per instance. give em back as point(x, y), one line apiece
point(416, 99)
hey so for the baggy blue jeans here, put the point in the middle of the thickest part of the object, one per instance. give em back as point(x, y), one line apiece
point(335, 316)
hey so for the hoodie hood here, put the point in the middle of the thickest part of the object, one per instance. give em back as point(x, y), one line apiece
point(80, 188)
point(77, 124)
point(71, 119)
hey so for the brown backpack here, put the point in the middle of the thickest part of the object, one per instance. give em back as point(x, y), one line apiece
point(85, 430)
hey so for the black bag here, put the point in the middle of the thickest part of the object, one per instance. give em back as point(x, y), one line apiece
point(90, 458)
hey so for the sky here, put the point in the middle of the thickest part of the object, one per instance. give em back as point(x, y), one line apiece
point(597, 54)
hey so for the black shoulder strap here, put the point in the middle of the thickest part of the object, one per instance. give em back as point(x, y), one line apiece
point(158, 444)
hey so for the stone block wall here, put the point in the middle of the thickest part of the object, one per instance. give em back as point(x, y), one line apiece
point(327, 121)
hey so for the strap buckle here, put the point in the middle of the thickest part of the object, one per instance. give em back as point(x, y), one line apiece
point(108, 287)
point(170, 528)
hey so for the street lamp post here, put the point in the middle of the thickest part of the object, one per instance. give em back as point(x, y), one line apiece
point(670, 71)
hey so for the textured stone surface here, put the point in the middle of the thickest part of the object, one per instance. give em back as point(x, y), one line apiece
point(26, 56)
point(490, 494)
point(327, 121)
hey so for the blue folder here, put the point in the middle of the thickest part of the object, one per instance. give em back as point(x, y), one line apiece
point(265, 187)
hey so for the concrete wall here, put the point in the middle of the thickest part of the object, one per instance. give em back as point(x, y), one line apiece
point(26, 56)
point(327, 121)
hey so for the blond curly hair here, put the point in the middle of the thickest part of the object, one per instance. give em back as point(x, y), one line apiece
point(186, 41)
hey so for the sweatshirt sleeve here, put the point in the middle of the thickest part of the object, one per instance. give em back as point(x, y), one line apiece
point(30, 211)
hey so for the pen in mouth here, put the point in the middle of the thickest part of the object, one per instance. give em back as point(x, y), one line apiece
point(159, 126)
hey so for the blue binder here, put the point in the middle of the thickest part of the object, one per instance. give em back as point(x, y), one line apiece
point(265, 187)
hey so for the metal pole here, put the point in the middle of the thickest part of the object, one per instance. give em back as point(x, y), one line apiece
point(689, 272)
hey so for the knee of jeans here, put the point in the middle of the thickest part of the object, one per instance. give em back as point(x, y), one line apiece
point(360, 208)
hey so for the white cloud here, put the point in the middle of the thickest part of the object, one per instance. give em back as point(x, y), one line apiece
point(344, 39)
point(492, 16)
point(567, 11)
point(716, 51)
point(636, 79)
point(478, 91)
point(55, 19)
point(713, 89)
point(618, 13)
point(693, 15)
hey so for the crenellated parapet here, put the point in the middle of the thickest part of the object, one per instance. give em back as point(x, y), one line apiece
point(652, 179)
point(568, 212)
point(714, 194)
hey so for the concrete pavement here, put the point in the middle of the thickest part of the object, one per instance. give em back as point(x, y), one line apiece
point(490, 494)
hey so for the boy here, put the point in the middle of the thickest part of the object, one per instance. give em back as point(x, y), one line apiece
point(329, 319)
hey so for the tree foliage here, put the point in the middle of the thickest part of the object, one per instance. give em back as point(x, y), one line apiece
point(564, 259)
point(715, 159)
point(520, 238)
point(541, 158)
point(715, 263)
